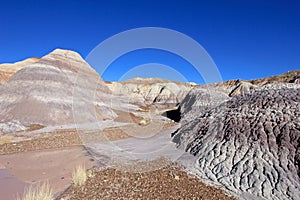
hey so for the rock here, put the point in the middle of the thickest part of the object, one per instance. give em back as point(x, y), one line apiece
point(54, 91)
point(7, 70)
point(250, 143)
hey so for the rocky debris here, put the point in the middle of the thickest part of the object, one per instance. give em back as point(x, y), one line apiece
point(7, 70)
point(250, 144)
point(147, 91)
point(53, 91)
point(51, 140)
point(166, 183)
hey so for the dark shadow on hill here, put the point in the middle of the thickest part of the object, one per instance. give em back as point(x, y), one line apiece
point(175, 115)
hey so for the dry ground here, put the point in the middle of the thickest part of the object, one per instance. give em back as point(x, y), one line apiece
point(169, 182)
point(166, 183)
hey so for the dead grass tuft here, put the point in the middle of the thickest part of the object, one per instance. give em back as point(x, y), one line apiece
point(41, 192)
point(79, 176)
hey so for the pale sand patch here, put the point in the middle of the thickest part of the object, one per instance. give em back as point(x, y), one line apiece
point(10, 186)
point(54, 166)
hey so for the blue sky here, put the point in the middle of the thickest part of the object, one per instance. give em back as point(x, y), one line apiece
point(246, 39)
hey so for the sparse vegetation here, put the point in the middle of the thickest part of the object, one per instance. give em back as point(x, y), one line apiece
point(41, 192)
point(79, 176)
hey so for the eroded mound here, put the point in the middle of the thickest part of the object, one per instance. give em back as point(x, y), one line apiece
point(58, 89)
point(251, 143)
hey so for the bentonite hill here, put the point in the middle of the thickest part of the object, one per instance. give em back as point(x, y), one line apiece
point(250, 143)
point(46, 92)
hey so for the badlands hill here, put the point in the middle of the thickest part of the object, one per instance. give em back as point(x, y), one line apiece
point(245, 134)
point(50, 90)
point(249, 143)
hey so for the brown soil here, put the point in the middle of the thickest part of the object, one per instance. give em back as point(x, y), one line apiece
point(166, 183)
point(57, 139)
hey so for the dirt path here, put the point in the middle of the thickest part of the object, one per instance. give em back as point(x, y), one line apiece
point(140, 147)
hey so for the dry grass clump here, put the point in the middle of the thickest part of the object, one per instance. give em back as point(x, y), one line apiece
point(41, 192)
point(79, 176)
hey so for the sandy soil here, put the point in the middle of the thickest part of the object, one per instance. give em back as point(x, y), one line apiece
point(54, 166)
point(10, 185)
